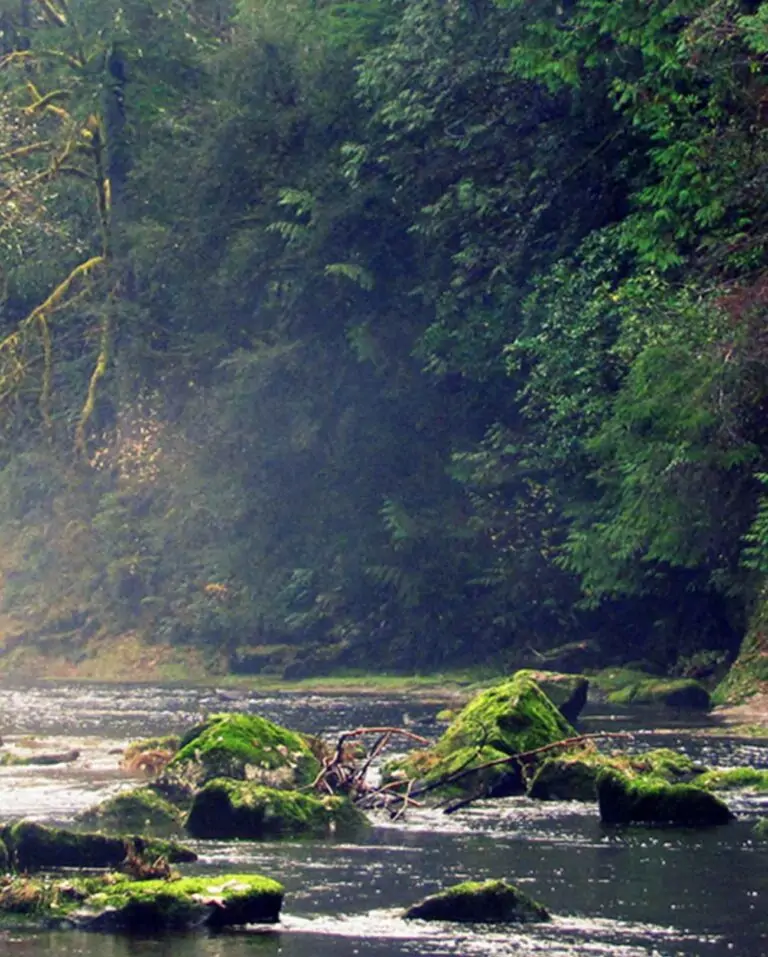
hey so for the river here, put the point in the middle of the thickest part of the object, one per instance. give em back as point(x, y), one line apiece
point(631, 892)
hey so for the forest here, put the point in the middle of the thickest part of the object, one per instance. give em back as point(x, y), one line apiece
point(390, 334)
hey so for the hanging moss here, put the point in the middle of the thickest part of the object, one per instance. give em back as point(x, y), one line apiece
point(234, 809)
point(486, 902)
point(244, 747)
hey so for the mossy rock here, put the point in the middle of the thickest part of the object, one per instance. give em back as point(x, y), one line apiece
point(140, 811)
point(651, 800)
point(34, 847)
point(486, 902)
point(761, 829)
point(749, 673)
point(573, 776)
point(189, 902)
point(226, 809)
point(567, 692)
point(565, 779)
point(672, 693)
point(505, 720)
point(733, 779)
point(244, 747)
point(5, 858)
point(609, 680)
point(114, 903)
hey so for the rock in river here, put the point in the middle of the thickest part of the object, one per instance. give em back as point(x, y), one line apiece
point(486, 902)
point(227, 809)
point(651, 800)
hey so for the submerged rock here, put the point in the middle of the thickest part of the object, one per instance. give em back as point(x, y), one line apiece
point(114, 903)
point(33, 847)
point(140, 811)
point(511, 718)
point(486, 902)
point(567, 692)
point(237, 809)
point(244, 747)
point(651, 800)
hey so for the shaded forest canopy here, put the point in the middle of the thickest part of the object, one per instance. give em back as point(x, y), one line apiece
point(393, 333)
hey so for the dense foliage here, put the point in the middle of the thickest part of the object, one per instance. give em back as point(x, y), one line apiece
point(393, 333)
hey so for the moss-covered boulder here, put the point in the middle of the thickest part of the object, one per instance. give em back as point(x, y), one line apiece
point(667, 692)
point(244, 747)
point(567, 692)
point(5, 859)
point(732, 779)
point(32, 847)
point(573, 776)
point(486, 902)
point(651, 800)
point(237, 809)
point(761, 829)
point(189, 902)
point(505, 720)
point(139, 811)
point(114, 903)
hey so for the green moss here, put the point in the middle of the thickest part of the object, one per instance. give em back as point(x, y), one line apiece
point(510, 718)
point(729, 779)
point(673, 693)
point(5, 860)
point(116, 903)
point(749, 673)
point(761, 829)
point(513, 717)
point(140, 811)
point(244, 747)
point(226, 808)
point(483, 902)
point(34, 846)
point(573, 776)
point(567, 692)
point(651, 800)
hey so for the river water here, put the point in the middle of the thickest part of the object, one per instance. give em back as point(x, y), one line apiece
point(631, 892)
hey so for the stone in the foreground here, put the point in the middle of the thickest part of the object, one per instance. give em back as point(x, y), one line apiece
point(113, 903)
point(226, 809)
point(486, 902)
point(651, 800)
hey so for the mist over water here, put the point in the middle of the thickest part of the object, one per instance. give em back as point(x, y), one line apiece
point(615, 892)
